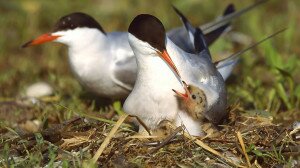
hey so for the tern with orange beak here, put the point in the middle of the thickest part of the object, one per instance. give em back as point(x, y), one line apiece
point(104, 62)
point(161, 66)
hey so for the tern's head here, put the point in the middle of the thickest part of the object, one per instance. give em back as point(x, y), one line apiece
point(147, 36)
point(73, 28)
point(194, 100)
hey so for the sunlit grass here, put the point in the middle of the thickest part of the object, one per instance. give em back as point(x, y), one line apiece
point(265, 81)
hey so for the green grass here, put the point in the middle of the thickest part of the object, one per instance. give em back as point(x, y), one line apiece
point(266, 81)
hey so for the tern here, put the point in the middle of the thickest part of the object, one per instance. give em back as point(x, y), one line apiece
point(161, 66)
point(104, 62)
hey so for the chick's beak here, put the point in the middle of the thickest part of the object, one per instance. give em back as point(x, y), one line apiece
point(183, 95)
point(165, 56)
point(47, 37)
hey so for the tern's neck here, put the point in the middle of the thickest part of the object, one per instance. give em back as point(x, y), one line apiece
point(91, 42)
point(155, 72)
point(88, 54)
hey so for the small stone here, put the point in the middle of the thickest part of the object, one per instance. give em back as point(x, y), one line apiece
point(29, 126)
point(39, 89)
point(207, 159)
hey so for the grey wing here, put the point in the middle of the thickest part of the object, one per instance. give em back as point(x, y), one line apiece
point(124, 68)
point(125, 72)
point(180, 37)
point(226, 66)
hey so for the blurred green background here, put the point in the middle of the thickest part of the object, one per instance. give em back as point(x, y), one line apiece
point(266, 80)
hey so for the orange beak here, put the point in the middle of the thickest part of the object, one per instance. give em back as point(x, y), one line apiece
point(183, 95)
point(165, 56)
point(40, 40)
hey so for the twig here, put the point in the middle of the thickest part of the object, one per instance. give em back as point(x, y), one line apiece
point(141, 137)
point(59, 149)
point(206, 147)
point(220, 140)
point(156, 143)
point(96, 118)
point(240, 138)
point(13, 131)
point(108, 138)
point(142, 123)
point(256, 164)
point(89, 116)
point(285, 149)
point(167, 140)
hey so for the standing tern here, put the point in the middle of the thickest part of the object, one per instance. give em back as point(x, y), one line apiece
point(104, 62)
point(161, 66)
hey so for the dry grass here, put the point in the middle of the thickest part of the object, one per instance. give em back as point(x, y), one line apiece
point(69, 127)
point(76, 141)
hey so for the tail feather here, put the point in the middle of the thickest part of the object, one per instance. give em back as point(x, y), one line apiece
point(188, 26)
point(225, 66)
point(212, 36)
point(209, 27)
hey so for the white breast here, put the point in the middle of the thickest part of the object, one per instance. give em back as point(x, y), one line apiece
point(152, 98)
point(91, 59)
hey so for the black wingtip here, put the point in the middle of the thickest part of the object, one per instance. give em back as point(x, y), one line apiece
point(27, 44)
point(182, 17)
point(213, 35)
point(199, 41)
point(229, 9)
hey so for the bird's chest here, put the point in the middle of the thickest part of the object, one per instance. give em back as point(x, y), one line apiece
point(157, 95)
point(84, 66)
point(152, 107)
point(90, 69)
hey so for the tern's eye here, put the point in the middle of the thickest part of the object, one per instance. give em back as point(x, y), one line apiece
point(194, 96)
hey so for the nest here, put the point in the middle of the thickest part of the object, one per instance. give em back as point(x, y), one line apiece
point(243, 141)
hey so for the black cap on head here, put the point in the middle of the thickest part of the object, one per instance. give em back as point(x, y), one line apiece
point(149, 29)
point(75, 20)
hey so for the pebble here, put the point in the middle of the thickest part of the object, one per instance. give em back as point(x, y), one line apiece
point(39, 89)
